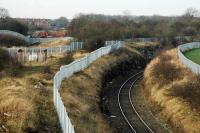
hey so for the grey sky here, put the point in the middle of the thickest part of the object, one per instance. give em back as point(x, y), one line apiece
point(69, 8)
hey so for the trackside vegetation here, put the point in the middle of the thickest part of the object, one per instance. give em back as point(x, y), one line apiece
point(81, 92)
point(26, 102)
point(173, 92)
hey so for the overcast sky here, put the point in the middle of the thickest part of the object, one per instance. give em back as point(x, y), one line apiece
point(70, 8)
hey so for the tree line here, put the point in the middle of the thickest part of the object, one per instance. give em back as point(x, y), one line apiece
point(8, 23)
point(24, 26)
point(95, 29)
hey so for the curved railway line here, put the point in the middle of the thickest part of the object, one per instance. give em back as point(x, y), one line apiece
point(127, 109)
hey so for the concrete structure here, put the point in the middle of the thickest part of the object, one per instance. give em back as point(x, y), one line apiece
point(194, 67)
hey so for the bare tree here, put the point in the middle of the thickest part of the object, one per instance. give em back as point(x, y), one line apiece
point(192, 12)
point(4, 13)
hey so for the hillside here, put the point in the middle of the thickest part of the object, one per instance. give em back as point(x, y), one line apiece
point(26, 102)
point(53, 43)
point(173, 92)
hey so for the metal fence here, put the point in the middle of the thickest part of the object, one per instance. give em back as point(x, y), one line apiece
point(188, 63)
point(40, 53)
point(67, 71)
point(110, 43)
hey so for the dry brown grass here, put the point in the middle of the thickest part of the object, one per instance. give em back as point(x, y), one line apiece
point(81, 92)
point(143, 44)
point(54, 43)
point(26, 100)
point(175, 90)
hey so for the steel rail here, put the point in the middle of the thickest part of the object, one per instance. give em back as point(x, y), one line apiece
point(130, 100)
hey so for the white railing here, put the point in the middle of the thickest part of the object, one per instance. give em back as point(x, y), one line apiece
point(40, 54)
point(110, 43)
point(187, 62)
point(49, 50)
point(66, 72)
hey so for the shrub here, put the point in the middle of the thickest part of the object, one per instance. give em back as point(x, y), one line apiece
point(4, 58)
point(13, 25)
point(165, 71)
point(189, 91)
point(7, 62)
point(68, 58)
point(93, 44)
point(47, 70)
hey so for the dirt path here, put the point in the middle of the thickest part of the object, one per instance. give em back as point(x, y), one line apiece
point(111, 110)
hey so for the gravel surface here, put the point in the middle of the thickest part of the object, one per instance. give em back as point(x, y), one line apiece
point(110, 108)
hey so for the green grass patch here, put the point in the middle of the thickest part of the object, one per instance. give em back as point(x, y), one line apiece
point(193, 55)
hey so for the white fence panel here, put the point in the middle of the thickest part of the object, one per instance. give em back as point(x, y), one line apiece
point(67, 70)
point(188, 63)
point(50, 50)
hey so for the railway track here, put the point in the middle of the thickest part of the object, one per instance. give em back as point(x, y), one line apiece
point(127, 109)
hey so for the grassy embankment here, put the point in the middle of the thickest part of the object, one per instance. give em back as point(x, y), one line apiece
point(54, 43)
point(143, 44)
point(26, 102)
point(173, 92)
point(193, 55)
point(81, 92)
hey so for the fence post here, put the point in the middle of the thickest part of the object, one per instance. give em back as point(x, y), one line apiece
point(77, 46)
point(40, 50)
point(60, 49)
point(73, 46)
point(66, 49)
point(9, 51)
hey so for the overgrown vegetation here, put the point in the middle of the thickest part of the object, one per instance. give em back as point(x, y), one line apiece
point(13, 25)
point(26, 102)
point(8, 23)
point(173, 91)
point(8, 63)
point(53, 43)
point(5, 60)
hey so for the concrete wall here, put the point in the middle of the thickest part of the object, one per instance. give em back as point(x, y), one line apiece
point(188, 63)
